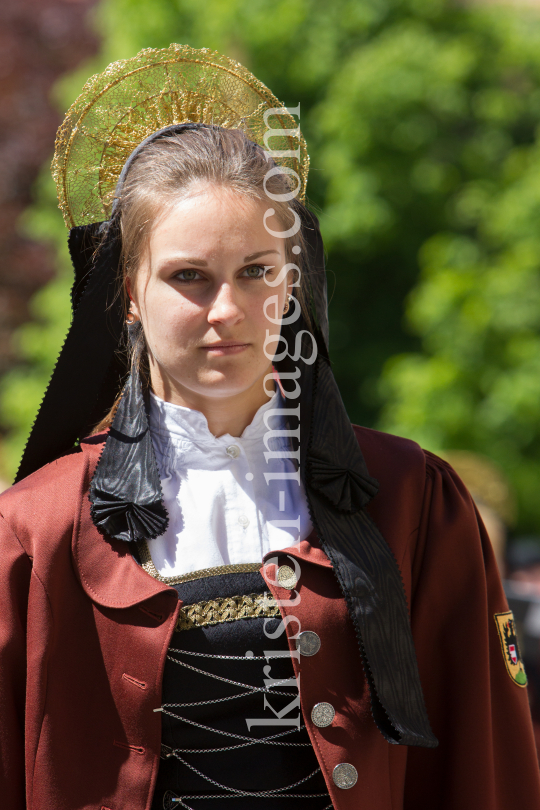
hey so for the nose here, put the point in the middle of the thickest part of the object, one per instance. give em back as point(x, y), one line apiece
point(225, 307)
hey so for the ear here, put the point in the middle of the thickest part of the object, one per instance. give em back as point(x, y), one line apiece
point(133, 307)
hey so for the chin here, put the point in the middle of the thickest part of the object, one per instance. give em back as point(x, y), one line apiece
point(219, 384)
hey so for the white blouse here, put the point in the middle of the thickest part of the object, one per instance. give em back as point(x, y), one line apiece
point(230, 499)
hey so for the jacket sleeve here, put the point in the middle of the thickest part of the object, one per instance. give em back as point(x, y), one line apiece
point(486, 759)
point(15, 569)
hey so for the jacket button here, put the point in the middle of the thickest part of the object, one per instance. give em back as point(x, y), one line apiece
point(345, 775)
point(308, 642)
point(286, 577)
point(323, 714)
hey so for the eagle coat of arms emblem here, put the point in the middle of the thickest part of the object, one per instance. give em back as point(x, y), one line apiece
point(506, 627)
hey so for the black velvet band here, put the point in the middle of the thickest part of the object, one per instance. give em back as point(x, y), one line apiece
point(88, 371)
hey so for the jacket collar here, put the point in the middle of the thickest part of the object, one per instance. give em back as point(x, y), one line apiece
point(308, 550)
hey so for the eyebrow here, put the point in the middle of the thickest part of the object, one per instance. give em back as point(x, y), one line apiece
point(258, 255)
point(250, 258)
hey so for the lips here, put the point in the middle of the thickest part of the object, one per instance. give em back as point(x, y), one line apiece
point(227, 347)
point(224, 345)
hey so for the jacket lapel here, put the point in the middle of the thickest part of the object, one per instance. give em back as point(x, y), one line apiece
point(106, 568)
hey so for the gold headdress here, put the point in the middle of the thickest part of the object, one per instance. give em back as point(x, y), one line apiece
point(133, 98)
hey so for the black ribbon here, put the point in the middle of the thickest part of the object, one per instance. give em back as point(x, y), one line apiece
point(125, 492)
point(366, 569)
point(338, 486)
point(88, 372)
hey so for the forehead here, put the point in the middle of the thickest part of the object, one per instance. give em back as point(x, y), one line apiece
point(214, 220)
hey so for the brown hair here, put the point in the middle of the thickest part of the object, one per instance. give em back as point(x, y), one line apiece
point(163, 174)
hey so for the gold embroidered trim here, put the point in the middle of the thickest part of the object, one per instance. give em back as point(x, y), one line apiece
point(227, 609)
point(149, 567)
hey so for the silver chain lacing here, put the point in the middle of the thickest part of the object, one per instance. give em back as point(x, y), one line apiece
point(170, 800)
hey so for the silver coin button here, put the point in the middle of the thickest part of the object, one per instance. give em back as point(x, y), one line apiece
point(323, 714)
point(286, 577)
point(308, 643)
point(345, 775)
point(233, 451)
point(243, 520)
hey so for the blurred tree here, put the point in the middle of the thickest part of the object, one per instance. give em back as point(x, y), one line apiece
point(476, 307)
point(420, 115)
point(39, 41)
point(476, 385)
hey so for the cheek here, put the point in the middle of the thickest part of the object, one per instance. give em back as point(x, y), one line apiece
point(256, 319)
point(169, 319)
point(270, 310)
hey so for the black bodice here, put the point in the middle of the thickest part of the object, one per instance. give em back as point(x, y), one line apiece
point(228, 663)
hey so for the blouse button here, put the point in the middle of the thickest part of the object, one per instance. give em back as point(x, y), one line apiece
point(243, 520)
point(233, 451)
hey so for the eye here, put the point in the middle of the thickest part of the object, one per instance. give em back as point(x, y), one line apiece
point(188, 275)
point(255, 271)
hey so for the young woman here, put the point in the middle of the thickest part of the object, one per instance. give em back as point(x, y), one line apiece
point(226, 595)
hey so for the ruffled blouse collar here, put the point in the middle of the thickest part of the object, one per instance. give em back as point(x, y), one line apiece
point(186, 426)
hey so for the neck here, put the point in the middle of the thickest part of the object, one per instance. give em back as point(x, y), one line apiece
point(225, 415)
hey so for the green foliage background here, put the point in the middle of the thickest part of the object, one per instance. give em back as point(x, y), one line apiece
point(422, 121)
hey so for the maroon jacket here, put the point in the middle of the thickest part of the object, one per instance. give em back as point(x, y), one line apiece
point(84, 631)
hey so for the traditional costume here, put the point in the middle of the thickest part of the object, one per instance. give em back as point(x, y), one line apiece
point(179, 659)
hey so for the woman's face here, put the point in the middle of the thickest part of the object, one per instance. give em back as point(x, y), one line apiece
point(200, 292)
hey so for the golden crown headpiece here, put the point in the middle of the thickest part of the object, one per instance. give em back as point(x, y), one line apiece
point(136, 97)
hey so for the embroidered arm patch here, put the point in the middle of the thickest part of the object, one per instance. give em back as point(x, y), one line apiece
point(506, 627)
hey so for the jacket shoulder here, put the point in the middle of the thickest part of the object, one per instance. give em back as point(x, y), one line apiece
point(392, 459)
point(400, 468)
point(48, 500)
